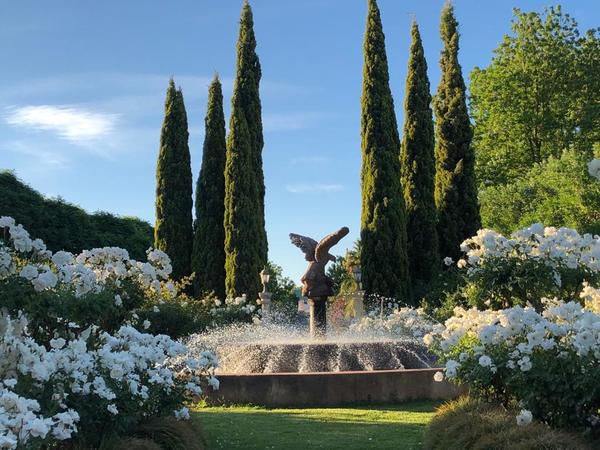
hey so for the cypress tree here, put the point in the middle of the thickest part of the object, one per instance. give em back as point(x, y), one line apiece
point(384, 259)
point(245, 234)
point(417, 164)
point(208, 254)
point(455, 187)
point(173, 228)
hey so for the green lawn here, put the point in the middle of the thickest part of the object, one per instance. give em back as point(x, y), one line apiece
point(364, 427)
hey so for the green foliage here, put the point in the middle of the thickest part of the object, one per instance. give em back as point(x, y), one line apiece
point(467, 423)
point(446, 291)
point(558, 192)
point(417, 163)
point(47, 311)
point(537, 98)
point(208, 254)
point(455, 187)
point(284, 299)
point(245, 234)
point(173, 229)
point(340, 271)
point(63, 226)
point(384, 259)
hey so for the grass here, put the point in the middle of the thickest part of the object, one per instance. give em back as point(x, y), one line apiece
point(363, 427)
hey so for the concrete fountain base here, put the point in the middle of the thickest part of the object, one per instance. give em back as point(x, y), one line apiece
point(332, 388)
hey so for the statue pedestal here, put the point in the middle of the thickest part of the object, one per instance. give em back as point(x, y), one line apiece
point(265, 301)
point(318, 316)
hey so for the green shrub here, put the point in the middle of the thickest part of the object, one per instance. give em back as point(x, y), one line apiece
point(467, 424)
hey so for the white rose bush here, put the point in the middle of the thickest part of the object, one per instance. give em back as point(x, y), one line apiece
point(397, 323)
point(76, 364)
point(534, 263)
point(531, 336)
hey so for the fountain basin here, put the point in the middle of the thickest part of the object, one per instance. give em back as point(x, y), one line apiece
point(324, 356)
point(332, 388)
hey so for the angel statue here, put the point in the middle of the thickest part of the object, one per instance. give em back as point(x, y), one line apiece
point(315, 283)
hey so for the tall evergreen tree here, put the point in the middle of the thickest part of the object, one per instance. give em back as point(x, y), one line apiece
point(384, 257)
point(245, 234)
point(208, 254)
point(173, 229)
point(417, 164)
point(455, 186)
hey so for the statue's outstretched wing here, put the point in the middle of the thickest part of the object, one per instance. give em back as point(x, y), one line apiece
point(322, 251)
point(306, 244)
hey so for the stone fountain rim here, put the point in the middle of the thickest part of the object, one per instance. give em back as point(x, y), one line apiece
point(407, 340)
point(341, 373)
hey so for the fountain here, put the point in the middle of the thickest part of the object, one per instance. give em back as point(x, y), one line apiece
point(279, 364)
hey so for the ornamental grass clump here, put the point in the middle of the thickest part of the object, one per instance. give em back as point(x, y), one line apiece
point(77, 366)
point(547, 362)
point(467, 423)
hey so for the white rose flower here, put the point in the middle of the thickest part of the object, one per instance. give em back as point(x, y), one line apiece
point(214, 383)
point(448, 261)
point(6, 222)
point(438, 376)
point(524, 418)
point(46, 280)
point(182, 414)
point(485, 361)
point(594, 168)
point(57, 343)
point(62, 258)
point(461, 264)
point(10, 382)
point(29, 272)
point(38, 427)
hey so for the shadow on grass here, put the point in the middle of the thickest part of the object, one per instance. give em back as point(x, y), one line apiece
point(376, 427)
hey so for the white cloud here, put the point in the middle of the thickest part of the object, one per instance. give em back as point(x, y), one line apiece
point(316, 187)
point(76, 125)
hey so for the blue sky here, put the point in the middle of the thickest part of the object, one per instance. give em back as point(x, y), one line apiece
point(83, 84)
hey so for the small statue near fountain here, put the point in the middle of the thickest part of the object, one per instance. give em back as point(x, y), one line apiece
point(315, 284)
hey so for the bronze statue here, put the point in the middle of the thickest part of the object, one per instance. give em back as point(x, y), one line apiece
point(315, 284)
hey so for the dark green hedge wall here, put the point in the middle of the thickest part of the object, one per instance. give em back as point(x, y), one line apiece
point(63, 226)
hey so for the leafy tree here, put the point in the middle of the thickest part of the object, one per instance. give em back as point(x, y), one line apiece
point(208, 255)
point(245, 234)
point(417, 163)
point(340, 271)
point(173, 229)
point(64, 226)
point(284, 292)
point(537, 98)
point(455, 186)
point(384, 257)
point(559, 192)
